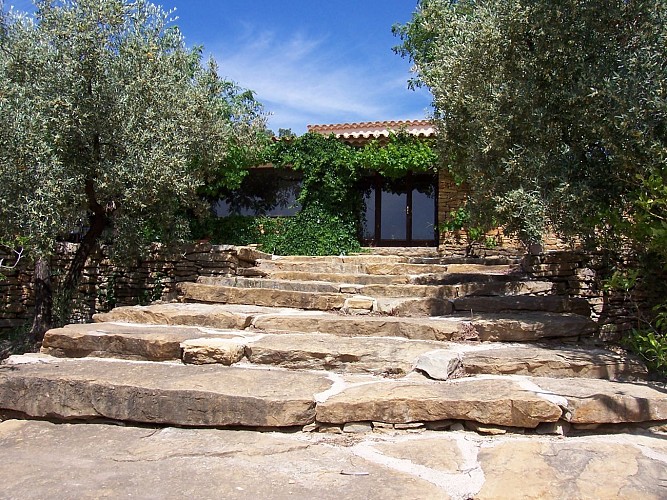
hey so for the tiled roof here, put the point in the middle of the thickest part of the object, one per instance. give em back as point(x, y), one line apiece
point(358, 133)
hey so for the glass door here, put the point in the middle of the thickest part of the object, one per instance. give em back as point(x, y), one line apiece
point(400, 212)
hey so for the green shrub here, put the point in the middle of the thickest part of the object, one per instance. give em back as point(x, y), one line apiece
point(313, 232)
point(651, 343)
point(232, 230)
point(16, 341)
point(310, 232)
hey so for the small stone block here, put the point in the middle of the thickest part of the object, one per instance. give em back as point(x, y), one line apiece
point(360, 302)
point(357, 428)
point(212, 351)
point(410, 425)
point(485, 429)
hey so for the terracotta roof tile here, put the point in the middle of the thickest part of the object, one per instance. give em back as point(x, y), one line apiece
point(358, 133)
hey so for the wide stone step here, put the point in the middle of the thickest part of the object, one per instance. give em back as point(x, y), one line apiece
point(312, 300)
point(518, 327)
point(160, 393)
point(129, 340)
point(332, 277)
point(317, 351)
point(361, 265)
point(198, 292)
point(509, 401)
point(450, 291)
point(529, 326)
point(206, 315)
point(537, 360)
point(217, 396)
point(499, 304)
point(329, 264)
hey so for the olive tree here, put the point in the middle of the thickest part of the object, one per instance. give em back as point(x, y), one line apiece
point(553, 112)
point(110, 124)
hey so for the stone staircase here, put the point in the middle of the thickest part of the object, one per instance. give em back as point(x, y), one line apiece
point(331, 344)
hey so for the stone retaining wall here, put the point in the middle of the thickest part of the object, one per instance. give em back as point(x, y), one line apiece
point(105, 285)
point(580, 274)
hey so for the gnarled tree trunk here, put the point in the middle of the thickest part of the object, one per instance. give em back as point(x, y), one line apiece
point(43, 299)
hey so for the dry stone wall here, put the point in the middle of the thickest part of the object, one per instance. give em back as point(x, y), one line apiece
point(105, 284)
point(581, 274)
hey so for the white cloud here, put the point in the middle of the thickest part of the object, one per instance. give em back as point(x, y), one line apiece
point(306, 80)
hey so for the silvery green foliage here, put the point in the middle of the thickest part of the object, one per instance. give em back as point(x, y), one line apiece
point(103, 109)
point(553, 111)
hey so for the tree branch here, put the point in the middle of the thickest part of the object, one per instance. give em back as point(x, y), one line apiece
point(17, 253)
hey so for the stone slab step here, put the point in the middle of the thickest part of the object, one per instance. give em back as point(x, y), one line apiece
point(523, 327)
point(503, 402)
point(485, 261)
point(128, 341)
point(215, 396)
point(591, 401)
point(537, 360)
point(350, 265)
point(454, 278)
point(207, 315)
point(332, 277)
point(471, 288)
point(272, 284)
point(382, 356)
point(496, 400)
point(499, 304)
point(159, 393)
point(316, 351)
point(198, 292)
point(364, 299)
point(516, 328)
point(332, 264)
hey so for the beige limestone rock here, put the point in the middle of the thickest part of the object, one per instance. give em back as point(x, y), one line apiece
point(249, 254)
point(531, 326)
point(207, 351)
point(351, 279)
point(437, 454)
point(210, 315)
point(552, 361)
point(103, 461)
point(128, 341)
point(344, 354)
point(261, 297)
point(592, 401)
point(403, 268)
point(486, 429)
point(439, 364)
point(161, 393)
point(523, 327)
point(359, 302)
point(273, 284)
point(414, 307)
point(591, 468)
point(357, 428)
point(546, 303)
point(373, 326)
point(498, 402)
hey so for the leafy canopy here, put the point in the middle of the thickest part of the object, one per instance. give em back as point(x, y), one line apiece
point(553, 112)
point(108, 120)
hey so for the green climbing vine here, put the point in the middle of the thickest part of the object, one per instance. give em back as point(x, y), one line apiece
point(330, 199)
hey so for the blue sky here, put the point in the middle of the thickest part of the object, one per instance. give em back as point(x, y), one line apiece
point(309, 61)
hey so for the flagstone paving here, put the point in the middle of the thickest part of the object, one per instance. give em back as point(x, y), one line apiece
point(42, 460)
